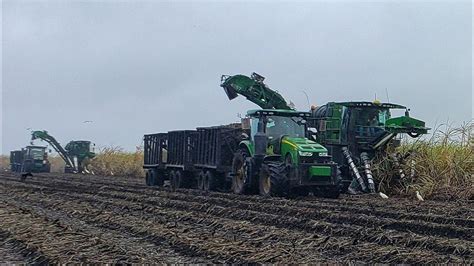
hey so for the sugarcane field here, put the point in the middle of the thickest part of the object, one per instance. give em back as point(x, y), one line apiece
point(241, 132)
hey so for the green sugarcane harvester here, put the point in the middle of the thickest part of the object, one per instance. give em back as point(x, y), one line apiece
point(76, 154)
point(277, 159)
point(355, 132)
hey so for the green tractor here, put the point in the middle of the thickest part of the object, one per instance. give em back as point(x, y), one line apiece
point(276, 158)
point(355, 132)
point(31, 159)
point(76, 154)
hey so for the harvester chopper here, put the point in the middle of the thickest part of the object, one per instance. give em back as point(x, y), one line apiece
point(277, 158)
point(355, 132)
point(76, 154)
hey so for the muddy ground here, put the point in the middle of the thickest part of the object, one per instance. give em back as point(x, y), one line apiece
point(75, 218)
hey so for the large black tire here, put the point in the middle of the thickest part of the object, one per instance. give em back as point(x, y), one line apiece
point(147, 178)
point(200, 180)
point(158, 177)
point(273, 181)
point(240, 173)
point(210, 181)
point(176, 180)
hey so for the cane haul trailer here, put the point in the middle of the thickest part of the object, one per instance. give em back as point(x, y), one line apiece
point(200, 158)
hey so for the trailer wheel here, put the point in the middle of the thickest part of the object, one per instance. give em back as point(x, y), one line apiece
point(240, 172)
point(147, 177)
point(273, 180)
point(200, 180)
point(210, 181)
point(176, 180)
point(158, 178)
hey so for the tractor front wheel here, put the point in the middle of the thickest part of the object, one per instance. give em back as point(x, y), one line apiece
point(273, 180)
point(240, 175)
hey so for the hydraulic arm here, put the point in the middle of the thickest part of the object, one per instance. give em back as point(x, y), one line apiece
point(254, 90)
point(43, 135)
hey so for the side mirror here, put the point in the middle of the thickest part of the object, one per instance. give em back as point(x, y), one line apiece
point(312, 132)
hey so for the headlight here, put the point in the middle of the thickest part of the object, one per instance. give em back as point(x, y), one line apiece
point(44, 161)
point(305, 153)
point(323, 154)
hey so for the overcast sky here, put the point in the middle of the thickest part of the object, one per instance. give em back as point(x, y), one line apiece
point(135, 68)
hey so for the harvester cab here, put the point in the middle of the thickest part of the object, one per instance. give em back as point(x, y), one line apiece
point(354, 132)
point(277, 159)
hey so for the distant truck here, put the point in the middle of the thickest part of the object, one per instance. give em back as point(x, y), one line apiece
point(31, 159)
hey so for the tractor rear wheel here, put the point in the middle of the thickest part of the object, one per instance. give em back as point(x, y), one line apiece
point(273, 180)
point(240, 171)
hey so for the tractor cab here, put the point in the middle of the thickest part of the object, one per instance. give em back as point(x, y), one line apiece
point(35, 153)
point(278, 124)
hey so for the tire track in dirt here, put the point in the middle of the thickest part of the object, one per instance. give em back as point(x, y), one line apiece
point(332, 206)
point(272, 221)
point(417, 226)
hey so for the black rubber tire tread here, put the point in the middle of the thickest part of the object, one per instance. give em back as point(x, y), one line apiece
point(210, 183)
point(279, 186)
point(176, 180)
point(147, 178)
point(200, 180)
point(241, 155)
point(158, 178)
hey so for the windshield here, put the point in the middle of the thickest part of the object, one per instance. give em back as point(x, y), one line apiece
point(37, 153)
point(278, 126)
point(371, 117)
point(369, 122)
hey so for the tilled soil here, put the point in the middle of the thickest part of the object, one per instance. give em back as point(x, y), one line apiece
point(89, 219)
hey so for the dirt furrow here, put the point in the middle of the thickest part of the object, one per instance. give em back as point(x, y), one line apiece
point(383, 239)
point(318, 206)
point(419, 227)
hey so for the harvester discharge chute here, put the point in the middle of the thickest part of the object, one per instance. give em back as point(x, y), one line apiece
point(254, 90)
